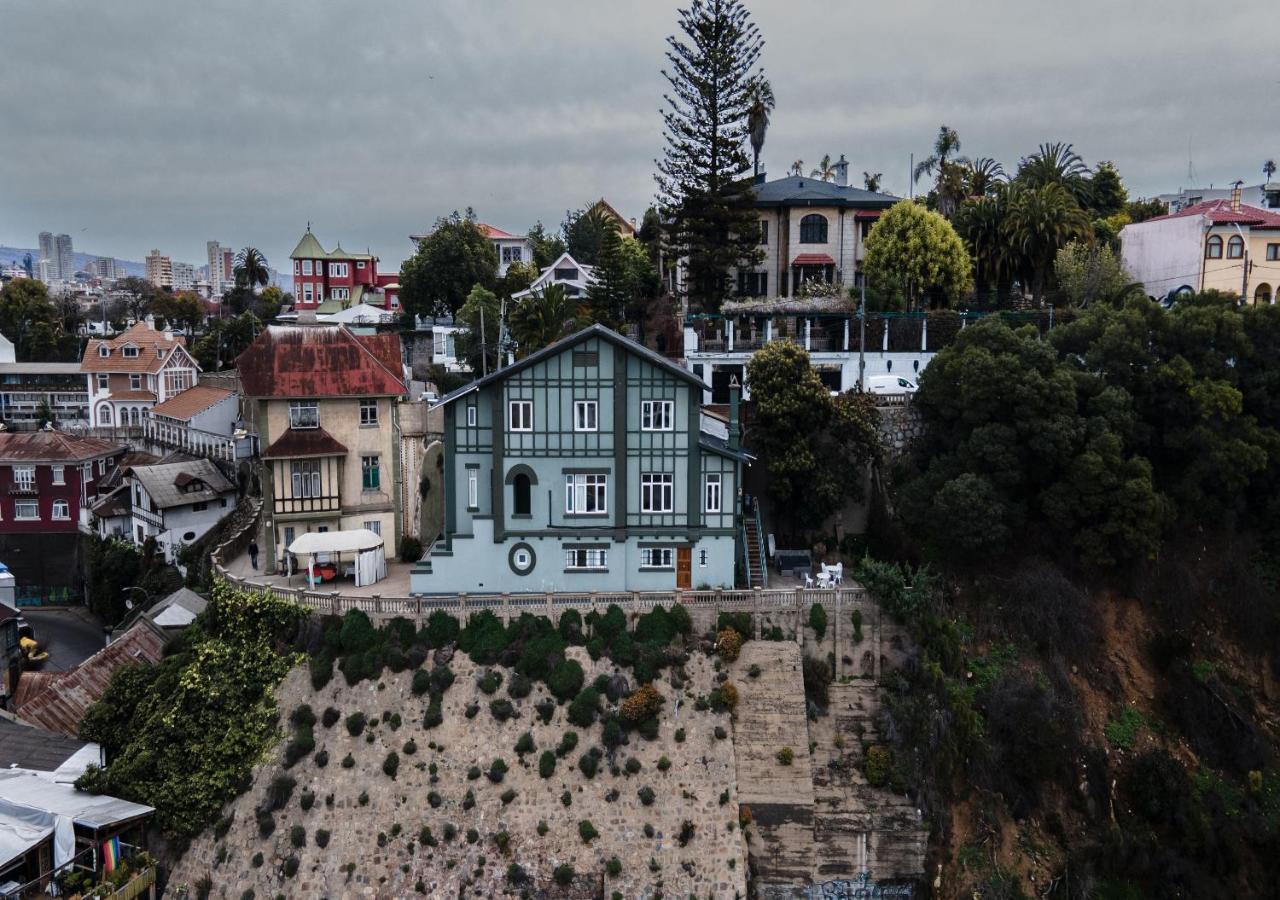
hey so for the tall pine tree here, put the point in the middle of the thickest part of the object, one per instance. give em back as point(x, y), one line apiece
point(704, 185)
point(611, 288)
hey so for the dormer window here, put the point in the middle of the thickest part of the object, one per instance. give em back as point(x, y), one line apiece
point(104, 351)
point(567, 274)
point(160, 354)
point(130, 351)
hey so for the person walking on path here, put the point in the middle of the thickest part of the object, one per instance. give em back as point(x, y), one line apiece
point(253, 554)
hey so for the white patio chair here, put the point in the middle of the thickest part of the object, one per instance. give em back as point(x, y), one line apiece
point(808, 580)
point(837, 573)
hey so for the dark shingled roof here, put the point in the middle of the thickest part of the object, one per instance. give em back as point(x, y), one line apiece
point(302, 442)
point(29, 747)
point(797, 190)
point(321, 361)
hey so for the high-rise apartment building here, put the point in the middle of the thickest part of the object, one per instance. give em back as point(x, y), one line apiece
point(47, 252)
point(65, 256)
point(216, 277)
point(105, 268)
point(159, 269)
point(184, 276)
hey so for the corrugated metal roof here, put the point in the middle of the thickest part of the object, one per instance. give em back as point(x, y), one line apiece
point(321, 361)
point(297, 443)
point(191, 402)
point(93, 811)
point(58, 700)
point(28, 747)
point(53, 446)
point(182, 483)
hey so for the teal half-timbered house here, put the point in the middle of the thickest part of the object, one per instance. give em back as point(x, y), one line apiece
point(587, 466)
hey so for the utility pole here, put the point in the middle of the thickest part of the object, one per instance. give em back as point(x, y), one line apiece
point(862, 336)
point(911, 178)
point(484, 350)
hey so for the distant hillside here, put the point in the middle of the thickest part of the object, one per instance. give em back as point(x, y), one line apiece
point(14, 255)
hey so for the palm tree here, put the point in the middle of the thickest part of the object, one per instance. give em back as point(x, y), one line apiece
point(983, 175)
point(543, 318)
point(944, 146)
point(825, 170)
point(982, 222)
point(797, 167)
point(1056, 163)
point(1041, 221)
point(872, 182)
point(251, 270)
point(1268, 169)
point(760, 105)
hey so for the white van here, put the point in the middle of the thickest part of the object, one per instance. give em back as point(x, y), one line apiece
point(889, 384)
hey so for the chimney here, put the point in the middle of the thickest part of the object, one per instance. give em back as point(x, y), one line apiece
point(735, 430)
point(842, 171)
point(1235, 196)
point(759, 178)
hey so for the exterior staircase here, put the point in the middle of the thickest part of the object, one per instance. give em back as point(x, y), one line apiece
point(755, 553)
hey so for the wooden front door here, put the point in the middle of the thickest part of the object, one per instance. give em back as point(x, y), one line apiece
point(684, 568)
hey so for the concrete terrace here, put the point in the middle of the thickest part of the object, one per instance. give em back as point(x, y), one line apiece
point(396, 584)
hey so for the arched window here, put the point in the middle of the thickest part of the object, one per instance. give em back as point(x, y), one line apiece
point(1235, 247)
point(523, 495)
point(813, 229)
point(1213, 248)
point(1262, 296)
point(104, 415)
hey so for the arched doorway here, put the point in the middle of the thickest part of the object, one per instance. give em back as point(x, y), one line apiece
point(522, 479)
point(1262, 296)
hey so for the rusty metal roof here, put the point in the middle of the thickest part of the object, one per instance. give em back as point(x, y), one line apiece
point(58, 700)
point(53, 447)
point(321, 361)
point(191, 402)
point(297, 443)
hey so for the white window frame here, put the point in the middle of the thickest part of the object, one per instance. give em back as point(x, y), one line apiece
point(374, 525)
point(129, 352)
point(657, 415)
point(471, 416)
point(24, 478)
point(657, 558)
point(135, 382)
point(523, 421)
point(586, 494)
point(657, 492)
point(104, 381)
point(473, 488)
point(18, 507)
point(305, 475)
point(368, 412)
point(586, 559)
point(104, 351)
point(586, 415)
point(339, 270)
point(713, 492)
point(306, 267)
point(65, 515)
point(59, 474)
point(359, 263)
point(297, 417)
point(340, 293)
point(307, 295)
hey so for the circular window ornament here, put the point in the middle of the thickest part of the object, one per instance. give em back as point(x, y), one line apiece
point(522, 559)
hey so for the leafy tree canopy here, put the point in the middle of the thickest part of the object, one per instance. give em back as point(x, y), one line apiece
point(915, 254)
point(456, 257)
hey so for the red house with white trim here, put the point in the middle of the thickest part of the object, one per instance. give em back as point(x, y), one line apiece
point(48, 480)
point(330, 281)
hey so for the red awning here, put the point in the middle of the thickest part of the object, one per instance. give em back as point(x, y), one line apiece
point(813, 259)
point(867, 214)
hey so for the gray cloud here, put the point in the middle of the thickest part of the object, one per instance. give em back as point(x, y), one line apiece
point(159, 124)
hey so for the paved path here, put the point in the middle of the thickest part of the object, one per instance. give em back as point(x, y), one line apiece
point(70, 635)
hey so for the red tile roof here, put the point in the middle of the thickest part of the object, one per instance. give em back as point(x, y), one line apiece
point(321, 361)
point(302, 442)
point(192, 401)
point(813, 259)
point(142, 336)
point(52, 446)
point(58, 700)
point(134, 395)
point(491, 232)
point(1220, 213)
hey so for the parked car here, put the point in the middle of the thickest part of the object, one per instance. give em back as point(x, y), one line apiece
point(889, 384)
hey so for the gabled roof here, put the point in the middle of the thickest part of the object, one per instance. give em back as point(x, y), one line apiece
point(1219, 212)
point(586, 274)
point(192, 402)
point(52, 447)
point(338, 253)
point(625, 228)
point(321, 361)
point(300, 443)
point(308, 248)
point(150, 344)
point(797, 190)
point(171, 484)
point(566, 343)
point(497, 234)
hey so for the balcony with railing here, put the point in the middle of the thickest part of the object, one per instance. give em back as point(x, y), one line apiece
point(177, 436)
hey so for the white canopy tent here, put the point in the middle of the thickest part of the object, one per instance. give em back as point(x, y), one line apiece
point(366, 547)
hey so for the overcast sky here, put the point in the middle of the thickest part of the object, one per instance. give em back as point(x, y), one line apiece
point(134, 124)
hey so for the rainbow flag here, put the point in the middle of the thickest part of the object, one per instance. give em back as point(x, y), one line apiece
point(110, 854)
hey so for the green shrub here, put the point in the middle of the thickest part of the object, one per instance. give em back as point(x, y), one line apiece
point(785, 756)
point(469, 799)
point(519, 686)
point(278, 792)
point(321, 668)
point(818, 620)
point(545, 710)
point(303, 716)
point(301, 746)
point(442, 678)
point(583, 709)
point(330, 717)
point(410, 549)
point(501, 709)
point(421, 682)
point(497, 770)
point(363, 799)
point(589, 764)
point(516, 875)
point(739, 622)
point(570, 627)
point(426, 838)
point(632, 766)
point(587, 831)
point(646, 795)
point(473, 773)
point(613, 867)
point(450, 831)
point(648, 830)
point(568, 741)
point(507, 796)
point(442, 629)
point(298, 836)
point(524, 744)
point(686, 832)
point(471, 710)
point(434, 714)
point(754, 671)
point(679, 735)
point(720, 733)
point(563, 874)
point(355, 723)
point(566, 799)
point(348, 761)
point(434, 799)
point(547, 764)
point(489, 681)
point(877, 763)
point(291, 866)
point(1123, 732)
point(322, 838)
point(410, 747)
point(856, 617)
point(566, 679)
point(472, 836)
point(257, 860)
point(266, 824)
point(307, 800)
point(391, 764)
point(663, 764)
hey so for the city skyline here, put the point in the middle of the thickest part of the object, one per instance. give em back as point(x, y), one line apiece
point(453, 106)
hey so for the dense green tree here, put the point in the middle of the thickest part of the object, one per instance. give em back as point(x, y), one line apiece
point(138, 295)
point(1041, 221)
point(547, 247)
point(703, 177)
point(815, 448)
point(251, 269)
point(28, 318)
point(481, 315)
point(1056, 163)
point(518, 277)
point(1107, 195)
point(225, 339)
point(983, 223)
point(915, 254)
point(1086, 272)
point(610, 288)
point(183, 311)
point(871, 181)
point(456, 257)
point(585, 231)
point(982, 177)
point(543, 318)
point(1141, 210)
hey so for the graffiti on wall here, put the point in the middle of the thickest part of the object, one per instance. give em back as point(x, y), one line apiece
point(860, 888)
